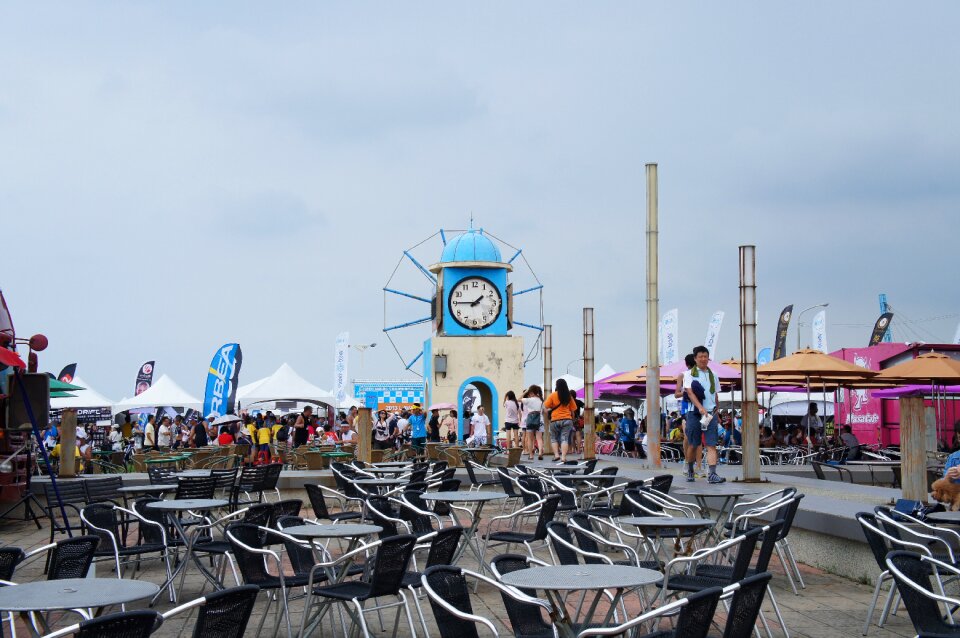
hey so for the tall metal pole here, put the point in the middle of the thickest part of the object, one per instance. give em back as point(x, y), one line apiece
point(653, 315)
point(750, 432)
point(589, 431)
point(547, 380)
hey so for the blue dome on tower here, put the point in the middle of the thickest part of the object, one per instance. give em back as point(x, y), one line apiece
point(472, 245)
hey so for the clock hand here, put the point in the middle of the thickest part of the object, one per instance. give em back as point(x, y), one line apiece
point(477, 302)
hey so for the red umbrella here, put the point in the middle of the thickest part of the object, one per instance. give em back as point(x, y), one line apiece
point(12, 359)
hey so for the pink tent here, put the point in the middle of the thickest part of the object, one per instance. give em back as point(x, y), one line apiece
point(723, 372)
point(908, 390)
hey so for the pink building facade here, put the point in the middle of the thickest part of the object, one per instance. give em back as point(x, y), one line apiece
point(875, 420)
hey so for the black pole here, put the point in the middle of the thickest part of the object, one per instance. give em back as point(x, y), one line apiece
point(43, 450)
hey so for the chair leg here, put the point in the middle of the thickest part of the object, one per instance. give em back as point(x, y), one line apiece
point(406, 607)
point(786, 568)
point(890, 606)
point(793, 561)
point(873, 603)
point(363, 622)
point(776, 610)
point(423, 619)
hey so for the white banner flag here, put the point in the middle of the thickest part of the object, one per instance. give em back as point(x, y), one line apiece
point(713, 331)
point(660, 341)
point(956, 337)
point(820, 331)
point(340, 368)
point(671, 347)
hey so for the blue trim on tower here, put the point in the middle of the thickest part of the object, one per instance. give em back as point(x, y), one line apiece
point(493, 410)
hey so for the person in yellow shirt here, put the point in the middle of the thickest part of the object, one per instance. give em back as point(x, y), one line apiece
point(263, 441)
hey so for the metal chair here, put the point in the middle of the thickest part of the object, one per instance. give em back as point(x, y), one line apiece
point(264, 568)
point(222, 614)
point(317, 495)
point(526, 616)
point(545, 511)
point(694, 615)
point(125, 624)
point(911, 572)
point(446, 587)
point(384, 579)
point(442, 549)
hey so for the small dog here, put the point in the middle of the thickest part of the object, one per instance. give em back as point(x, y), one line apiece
point(947, 492)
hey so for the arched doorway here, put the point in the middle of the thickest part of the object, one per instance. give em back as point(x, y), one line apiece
point(473, 392)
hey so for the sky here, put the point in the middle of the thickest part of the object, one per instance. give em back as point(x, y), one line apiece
point(178, 175)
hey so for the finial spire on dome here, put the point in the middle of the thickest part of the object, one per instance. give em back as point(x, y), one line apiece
point(471, 220)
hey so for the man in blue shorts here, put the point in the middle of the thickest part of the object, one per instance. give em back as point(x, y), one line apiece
point(701, 385)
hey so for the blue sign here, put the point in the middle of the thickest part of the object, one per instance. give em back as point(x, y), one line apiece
point(221, 393)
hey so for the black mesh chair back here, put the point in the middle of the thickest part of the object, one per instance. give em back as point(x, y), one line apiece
point(647, 501)
point(662, 483)
point(71, 558)
point(741, 563)
point(10, 557)
point(590, 466)
point(226, 478)
point(450, 585)
point(418, 475)
point(627, 506)
point(446, 485)
point(272, 476)
point(150, 533)
point(609, 474)
point(196, 487)
point(924, 611)
point(547, 512)
point(289, 507)
point(788, 512)
point(532, 489)
point(585, 541)
point(878, 545)
point(225, 613)
point(439, 466)
point(125, 624)
point(317, 502)
point(565, 554)
point(103, 519)
point(416, 499)
point(525, 618)
point(104, 489)
point(745, 606)
point(301, 556)
point(506, 484)
point(251, 478)
point(259, 514)
point(444, 545)
point(73, 495)
point(162, 475)
point(767, 546)
point(695, 617)
point(380, 512)
point(420, 524)
point(390, 565)
point(252, 566)
point(418, 486)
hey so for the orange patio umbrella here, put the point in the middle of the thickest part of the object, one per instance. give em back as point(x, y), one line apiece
point(934, 368)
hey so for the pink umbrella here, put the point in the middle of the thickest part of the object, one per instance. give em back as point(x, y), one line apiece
point(442, 406)
point(725, 373)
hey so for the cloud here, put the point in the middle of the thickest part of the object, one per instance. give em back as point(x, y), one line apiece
point(269, 214)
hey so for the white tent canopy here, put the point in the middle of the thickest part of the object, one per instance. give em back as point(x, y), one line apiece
point(574, 383)
point(606, 371)
point(283, 385)
point(163, 393)
point(86, 398)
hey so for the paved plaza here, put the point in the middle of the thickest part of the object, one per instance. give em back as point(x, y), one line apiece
point(829, 606)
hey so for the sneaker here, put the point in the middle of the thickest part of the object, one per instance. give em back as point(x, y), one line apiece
point(716, 478)
point(690, 477)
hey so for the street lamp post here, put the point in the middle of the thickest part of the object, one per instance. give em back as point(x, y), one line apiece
point(573, 362)
point(819, 305)
point(361, 348)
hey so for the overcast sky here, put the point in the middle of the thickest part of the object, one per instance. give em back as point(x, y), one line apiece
point(174, 176)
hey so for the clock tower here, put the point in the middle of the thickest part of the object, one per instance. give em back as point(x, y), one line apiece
point(472, 318)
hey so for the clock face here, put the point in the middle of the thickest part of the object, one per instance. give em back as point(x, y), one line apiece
point(475, 303)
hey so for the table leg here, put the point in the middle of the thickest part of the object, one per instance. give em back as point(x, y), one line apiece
point(470, 539)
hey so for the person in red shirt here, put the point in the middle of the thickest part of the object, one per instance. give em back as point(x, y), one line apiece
point(225, 437)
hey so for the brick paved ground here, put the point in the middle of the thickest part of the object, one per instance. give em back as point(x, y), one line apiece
point(829, 606)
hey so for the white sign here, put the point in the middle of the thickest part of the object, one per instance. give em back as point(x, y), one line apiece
point(713, 331)
point(956, 337)
point(671, 348)
point(340, 367)
point(820, 331)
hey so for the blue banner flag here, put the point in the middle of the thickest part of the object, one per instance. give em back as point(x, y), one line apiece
point(764, 356)
point(221, 392)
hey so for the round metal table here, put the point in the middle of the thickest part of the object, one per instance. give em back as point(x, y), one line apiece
point(555, 580)
point(392, 464)
point(729, 492)
point(174, 507)
point(479, 499)
point(657, 524)
point(945, 517)
point(342, 530)
point(194, 473)
point(75, 594)
point(380, 484)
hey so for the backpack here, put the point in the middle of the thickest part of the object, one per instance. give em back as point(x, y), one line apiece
point(282, 434)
